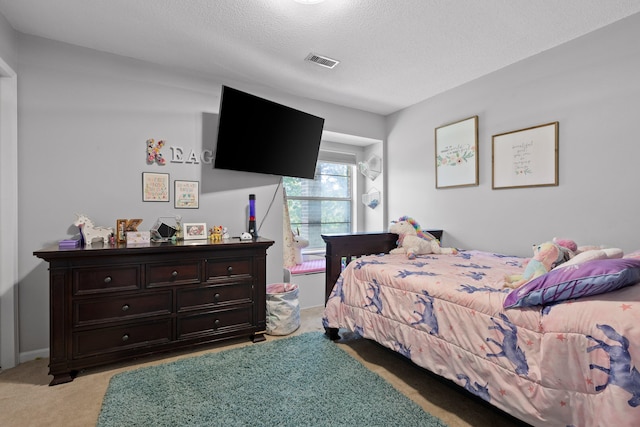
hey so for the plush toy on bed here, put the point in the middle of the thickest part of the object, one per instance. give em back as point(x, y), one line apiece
point(413, 241)
point(568, 247)
point(545, 256)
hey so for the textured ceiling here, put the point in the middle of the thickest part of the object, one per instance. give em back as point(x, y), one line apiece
point(393, 53)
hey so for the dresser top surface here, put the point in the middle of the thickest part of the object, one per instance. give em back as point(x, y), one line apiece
point(184, 246)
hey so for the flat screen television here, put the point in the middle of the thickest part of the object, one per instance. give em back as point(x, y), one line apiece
point(258, 135)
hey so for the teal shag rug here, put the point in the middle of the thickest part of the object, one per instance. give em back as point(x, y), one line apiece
point(304, 380)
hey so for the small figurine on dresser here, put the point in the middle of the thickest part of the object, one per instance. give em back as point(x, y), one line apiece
point(215, 233)
point(90, 232)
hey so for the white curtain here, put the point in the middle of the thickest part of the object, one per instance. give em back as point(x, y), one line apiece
point(289, 251)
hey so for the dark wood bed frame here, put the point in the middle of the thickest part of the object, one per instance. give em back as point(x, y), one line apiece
point(344, 248)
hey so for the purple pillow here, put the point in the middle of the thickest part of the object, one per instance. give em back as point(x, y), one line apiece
point(574, 281)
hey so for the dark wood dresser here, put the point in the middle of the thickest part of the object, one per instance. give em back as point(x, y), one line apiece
point(114, 303)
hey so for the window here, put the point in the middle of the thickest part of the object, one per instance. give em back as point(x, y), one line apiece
point(322, 205)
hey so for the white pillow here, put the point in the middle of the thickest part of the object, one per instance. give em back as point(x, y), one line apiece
point(593, 254)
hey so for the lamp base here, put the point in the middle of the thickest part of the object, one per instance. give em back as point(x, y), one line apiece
point(252, 229)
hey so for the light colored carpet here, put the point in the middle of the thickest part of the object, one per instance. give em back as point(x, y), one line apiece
point(27, 400)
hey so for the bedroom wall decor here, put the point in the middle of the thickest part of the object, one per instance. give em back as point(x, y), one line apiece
point(371, 199)
point(457, 153)
point(155, 187)
point(526, 157)
point(185, 194)
point(153, 152)
point(372, 168)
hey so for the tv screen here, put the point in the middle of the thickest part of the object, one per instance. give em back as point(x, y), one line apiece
point(258, 135)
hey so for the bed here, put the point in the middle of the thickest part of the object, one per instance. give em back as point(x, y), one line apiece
point(567, 362)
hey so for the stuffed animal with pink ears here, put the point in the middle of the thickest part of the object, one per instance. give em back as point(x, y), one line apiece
point(568, 247)
point(413, 241)
point(566, 243)
point(545, 257)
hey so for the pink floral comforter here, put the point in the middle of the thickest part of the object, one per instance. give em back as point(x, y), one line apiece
point(568, 364)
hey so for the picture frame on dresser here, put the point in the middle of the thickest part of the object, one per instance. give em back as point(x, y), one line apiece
point(195, 230)
point(121, 225)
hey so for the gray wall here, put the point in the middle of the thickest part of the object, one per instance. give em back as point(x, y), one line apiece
point(591, 86)
point(84, 118)
point(7, 43)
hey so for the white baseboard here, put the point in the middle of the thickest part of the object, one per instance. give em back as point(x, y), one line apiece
point(34, 354)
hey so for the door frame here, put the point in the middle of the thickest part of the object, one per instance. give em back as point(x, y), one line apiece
point(9, 337)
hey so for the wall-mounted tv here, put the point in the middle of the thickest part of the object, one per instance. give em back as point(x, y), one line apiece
point(258, 135)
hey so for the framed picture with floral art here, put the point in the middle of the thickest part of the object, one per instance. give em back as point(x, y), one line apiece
point(457, 154)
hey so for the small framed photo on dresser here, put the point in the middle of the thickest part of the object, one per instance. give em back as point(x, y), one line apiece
point(195, 230)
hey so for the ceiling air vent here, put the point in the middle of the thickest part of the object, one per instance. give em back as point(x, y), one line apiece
point(321, 60)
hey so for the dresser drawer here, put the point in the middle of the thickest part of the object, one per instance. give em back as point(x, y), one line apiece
point(121, 308)
point(215, 295)
point(100, 341)
point(223, 269)
point(174, 273)
point(214, 322)
point(105, 279)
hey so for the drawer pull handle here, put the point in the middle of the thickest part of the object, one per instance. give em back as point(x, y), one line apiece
point(107, 279)
point(216, 297)
point(174, 274)
point(125, 307)
point(125, 337)
point(230, 270)
point(216, 324)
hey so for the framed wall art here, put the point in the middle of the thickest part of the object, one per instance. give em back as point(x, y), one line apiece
point(526, 157)
point(194, 230)
point(457, 154)
point(185, 194)
point(155, 187)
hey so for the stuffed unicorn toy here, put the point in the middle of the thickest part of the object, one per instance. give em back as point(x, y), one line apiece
point(413, 241)
point(299, 243)
point(545, 256)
